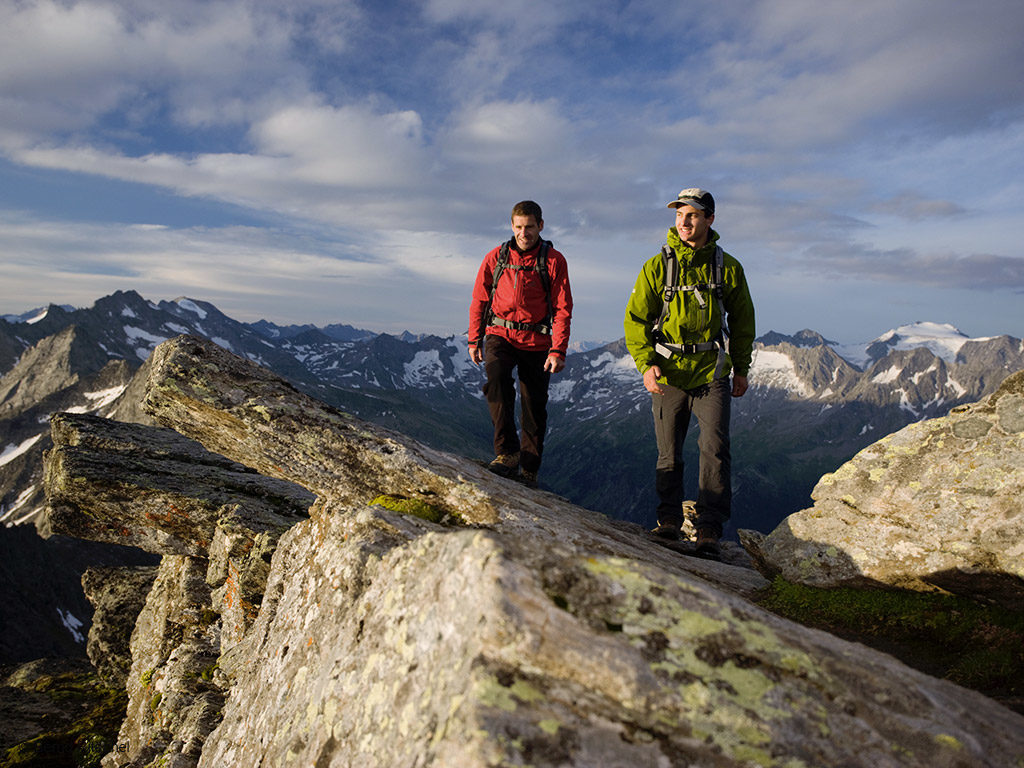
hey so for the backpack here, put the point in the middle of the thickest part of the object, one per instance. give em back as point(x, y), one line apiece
point(541, 268)
point(716, 287)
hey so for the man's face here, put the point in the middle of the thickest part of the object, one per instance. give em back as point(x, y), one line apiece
point(526, 230)
point(693, 224)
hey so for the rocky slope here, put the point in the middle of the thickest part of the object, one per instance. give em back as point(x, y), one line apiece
point(429, 613)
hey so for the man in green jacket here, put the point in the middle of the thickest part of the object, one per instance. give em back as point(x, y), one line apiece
point(685, 342)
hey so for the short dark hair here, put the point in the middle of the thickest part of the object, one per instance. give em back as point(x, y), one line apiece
point(528, 208)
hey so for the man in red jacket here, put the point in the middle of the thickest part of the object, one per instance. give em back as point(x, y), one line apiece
point(522, 306)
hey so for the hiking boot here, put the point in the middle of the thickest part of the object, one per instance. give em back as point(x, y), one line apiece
point(667, 531)
point(707, 543)
point(506, 464)
point(529, 478)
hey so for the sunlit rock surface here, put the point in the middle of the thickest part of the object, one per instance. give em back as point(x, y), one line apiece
point(509, 628)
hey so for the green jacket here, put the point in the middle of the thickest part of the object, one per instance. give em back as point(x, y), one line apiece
point(686, 322)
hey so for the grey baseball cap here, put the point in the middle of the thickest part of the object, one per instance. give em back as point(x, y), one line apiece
point(698, 198)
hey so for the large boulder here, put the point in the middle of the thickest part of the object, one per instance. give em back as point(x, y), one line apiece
point(430, 613)
point(936, 505)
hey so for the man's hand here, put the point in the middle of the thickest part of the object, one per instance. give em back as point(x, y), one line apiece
point(739, 386)
point(651, 376)
point(476, 354)
point(554, 363)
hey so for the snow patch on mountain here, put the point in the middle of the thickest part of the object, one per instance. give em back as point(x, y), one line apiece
point(460, 357)
point(134, 334)
point(560, 391)
point(72, 624)
point(621, 367)
point(776, 370)
point(7, 513)
point(941, 339)
point(99, 399)
point(11, 452)
point(191, 306)
point(888, 376)
point(425, 366)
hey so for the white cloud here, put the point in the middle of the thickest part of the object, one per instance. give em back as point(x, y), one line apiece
point(349, 146)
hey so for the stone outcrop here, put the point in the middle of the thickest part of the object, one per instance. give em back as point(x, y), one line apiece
point(216, 524)
point(936, 505)
point(117, 596)
point(430, 613)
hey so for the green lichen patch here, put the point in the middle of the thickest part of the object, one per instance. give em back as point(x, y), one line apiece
point(974, 645)
point(418, 508)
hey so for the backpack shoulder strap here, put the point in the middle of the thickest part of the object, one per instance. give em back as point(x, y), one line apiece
point(545, 277)
point(719, 287)
point(670, 262)
point(499, 267)
point(718, 273)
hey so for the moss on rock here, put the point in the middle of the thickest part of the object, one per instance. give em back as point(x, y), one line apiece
point(417, 508)
point(84, 740)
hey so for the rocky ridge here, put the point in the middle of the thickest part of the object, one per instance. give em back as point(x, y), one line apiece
point(429, 613)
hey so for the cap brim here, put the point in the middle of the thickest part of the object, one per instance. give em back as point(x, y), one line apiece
point(689, 201)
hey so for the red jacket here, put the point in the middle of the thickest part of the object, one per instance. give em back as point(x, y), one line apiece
point(520, 297)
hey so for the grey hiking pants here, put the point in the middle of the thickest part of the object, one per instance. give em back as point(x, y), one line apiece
point(711, 404)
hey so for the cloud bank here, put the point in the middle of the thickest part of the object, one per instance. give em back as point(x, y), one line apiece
point(376, 148)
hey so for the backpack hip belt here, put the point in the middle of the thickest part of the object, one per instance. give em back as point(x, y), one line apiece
point(501, 322)
point(667, 350)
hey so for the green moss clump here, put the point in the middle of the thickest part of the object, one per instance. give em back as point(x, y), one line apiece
point(416, 508)
point(85, 740)
point(972, 644)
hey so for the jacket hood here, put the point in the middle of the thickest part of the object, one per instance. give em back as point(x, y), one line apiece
point(684, 250)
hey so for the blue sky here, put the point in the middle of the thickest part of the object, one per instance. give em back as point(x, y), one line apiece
point(353, 160)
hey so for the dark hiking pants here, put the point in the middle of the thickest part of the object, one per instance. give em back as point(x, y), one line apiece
point(500, 359)
point(672, 410)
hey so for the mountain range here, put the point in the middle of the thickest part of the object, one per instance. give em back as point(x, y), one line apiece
point(813, 403)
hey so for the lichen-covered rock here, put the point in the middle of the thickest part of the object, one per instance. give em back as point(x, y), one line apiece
point(387, 642)
point(939, 504)
point(151, 488)
point(175, 693)
point(117, 596)
point(509, 628)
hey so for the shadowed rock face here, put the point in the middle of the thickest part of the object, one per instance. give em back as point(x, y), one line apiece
point(520, 630)
point(117, 596)
point(936, 505)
